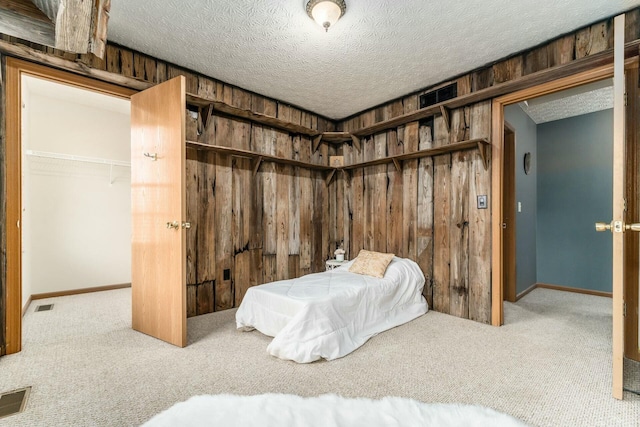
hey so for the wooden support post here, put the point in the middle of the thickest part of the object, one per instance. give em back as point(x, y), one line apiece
point(356, 141)
point(81, 26)
point(396, 163)
point(99, 24)
point(330, 176)
point(22, 19)
point(256, 165)
point(446, 115)
point(316, 143)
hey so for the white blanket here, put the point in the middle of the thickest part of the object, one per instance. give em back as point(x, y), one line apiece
point(328, 315)
point(281, 410)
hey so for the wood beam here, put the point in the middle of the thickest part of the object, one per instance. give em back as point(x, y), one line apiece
point(73, 25)
point(99, 25)
point(79, 27)
point(22, 19)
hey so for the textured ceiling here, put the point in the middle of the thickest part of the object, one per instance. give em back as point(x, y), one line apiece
point(378, 51)
point(569, 103)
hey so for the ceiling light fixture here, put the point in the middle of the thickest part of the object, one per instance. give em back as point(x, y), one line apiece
point(326, 12)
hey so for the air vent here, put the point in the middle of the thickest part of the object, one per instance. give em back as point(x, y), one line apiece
point(437, 96)
point(13, 402)
point(44, 307)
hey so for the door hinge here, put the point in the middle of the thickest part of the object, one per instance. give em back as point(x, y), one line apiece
point(626, 99)
point(624, 309)
point(624, 205)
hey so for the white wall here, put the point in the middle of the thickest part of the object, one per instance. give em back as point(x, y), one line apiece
point(76, 224)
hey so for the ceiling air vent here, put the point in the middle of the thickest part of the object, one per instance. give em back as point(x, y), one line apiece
point(437, 96)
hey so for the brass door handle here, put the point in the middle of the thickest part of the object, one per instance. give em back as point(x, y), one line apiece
point(632, 227)
point(617, 226)
point(186, 225)
point(173, 224)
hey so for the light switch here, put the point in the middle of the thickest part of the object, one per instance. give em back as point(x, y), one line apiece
point(519, 206)
point(482, 202)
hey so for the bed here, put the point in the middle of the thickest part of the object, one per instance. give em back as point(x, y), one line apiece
point(330, 314)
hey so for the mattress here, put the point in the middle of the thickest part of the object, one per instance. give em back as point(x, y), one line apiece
point(330, 314)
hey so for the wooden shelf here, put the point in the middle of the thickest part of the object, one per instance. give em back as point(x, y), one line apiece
point(335, 137)
point(482, 144)
point(228, 110)
point(258, 157)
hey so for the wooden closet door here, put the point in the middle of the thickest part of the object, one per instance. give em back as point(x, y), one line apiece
point(158, 263)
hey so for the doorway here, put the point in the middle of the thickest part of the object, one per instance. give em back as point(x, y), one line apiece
point(619, 293)
point(15, 70)
point(76, 213)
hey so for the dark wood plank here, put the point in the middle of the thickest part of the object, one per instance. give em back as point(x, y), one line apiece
point(205, 298)
point(192, 210)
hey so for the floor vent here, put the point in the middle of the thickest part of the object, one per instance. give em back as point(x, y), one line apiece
point(13, 402)
point(44, 307)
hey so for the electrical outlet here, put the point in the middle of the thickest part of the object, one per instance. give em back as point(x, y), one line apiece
point(482, 201)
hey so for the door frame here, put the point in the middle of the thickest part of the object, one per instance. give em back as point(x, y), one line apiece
point(15, 69)
point(509, 227)
point(497, 306)
point(632, 214)
point(497, 184)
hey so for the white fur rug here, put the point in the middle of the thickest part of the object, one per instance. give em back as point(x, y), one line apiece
point(327, 411)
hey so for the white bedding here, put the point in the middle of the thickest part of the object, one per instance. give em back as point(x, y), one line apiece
point(328, 315)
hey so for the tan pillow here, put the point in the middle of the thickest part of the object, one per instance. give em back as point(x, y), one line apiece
point(371, 263)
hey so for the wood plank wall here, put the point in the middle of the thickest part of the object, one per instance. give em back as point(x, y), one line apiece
point(270, 226)
point(286, 222)
point(429, 208)
point(260, 228)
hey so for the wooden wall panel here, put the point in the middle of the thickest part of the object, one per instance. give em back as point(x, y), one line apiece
point(236, 213)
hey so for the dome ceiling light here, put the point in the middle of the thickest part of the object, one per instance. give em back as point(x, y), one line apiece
point(326, 12)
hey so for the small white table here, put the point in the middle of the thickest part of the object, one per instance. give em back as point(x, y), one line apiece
point(332, 263)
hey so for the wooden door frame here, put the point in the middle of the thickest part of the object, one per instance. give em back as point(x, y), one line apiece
point(509, 233)
point(15, 69)
point(631, 245)
point(497, 150)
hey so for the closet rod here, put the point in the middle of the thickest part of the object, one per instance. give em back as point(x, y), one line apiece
point(60, 156)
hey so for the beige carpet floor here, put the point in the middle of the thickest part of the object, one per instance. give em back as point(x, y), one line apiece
point(549, 366)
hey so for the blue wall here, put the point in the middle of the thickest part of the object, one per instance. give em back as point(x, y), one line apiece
point(526, 194)
point(574, 180)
